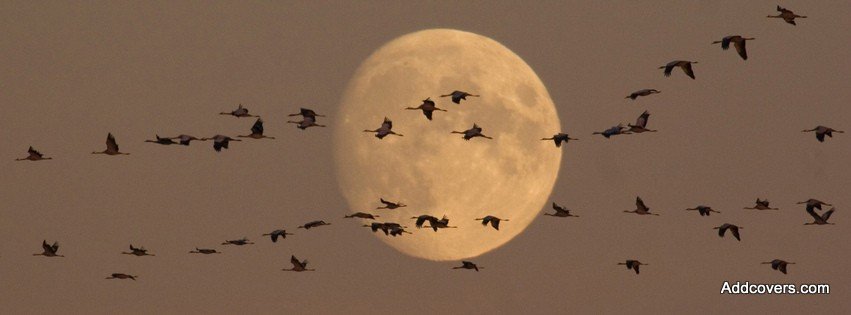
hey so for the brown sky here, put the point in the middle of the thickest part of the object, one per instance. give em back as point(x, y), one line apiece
point(70, 73)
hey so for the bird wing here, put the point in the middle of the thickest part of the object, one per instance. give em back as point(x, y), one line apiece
point(34, 152)
point(110, 143)
point(428, 113)
point(642, 120)
point(740, 48)
point(687, 68)
point(54, 247)
point(387, 124)
point(495, 223)
point(735, 231)
point(722, 230)
point(421, 219)
point(827, 214)
point(668, 68)
point(307, 112)
point(558, 208)
point(46, 246)
point(725, 42)
point(257, 128)
point(640, 203)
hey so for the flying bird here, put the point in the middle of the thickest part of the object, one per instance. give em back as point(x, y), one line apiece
point(468, 265)
point(427, 107)
point(787, 15)
point(820, 219)
point(391, 205)
point(640, 208)
point(386, 129)
point(704, 210)
point(559, 138)
point(761, 205)
point(494, 221)
point(641, 124)
point(256, 131)
point(49, 250)
point(362, 215)
point(162, 140)
point(727, 226)
point(138, 251)
point(239, 112)
point(111, 147)
point(121, 276)
point(34, 155)
point(738, 42)
point(185, 139)
point(685, 65)
point(305, 112)
point(313, 224)
point(814, 204)
point(778, 264)
point(642, 92)
point(220, 141)
point(632, 264)
point(298, 265)
point(457, 96)
point(434, 223)
point(821, 131)
point(473, 132)
point(205, 251)
point(306, 122)
point(613, 131)
point(277, 234)
point(389, 228)
point(239, 242)
point(560, 211)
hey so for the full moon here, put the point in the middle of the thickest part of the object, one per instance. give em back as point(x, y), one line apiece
point(436, 172)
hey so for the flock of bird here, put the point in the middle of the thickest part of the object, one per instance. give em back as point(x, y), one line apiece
point(428, 107)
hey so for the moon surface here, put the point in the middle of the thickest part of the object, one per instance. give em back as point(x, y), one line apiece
point(433, 171)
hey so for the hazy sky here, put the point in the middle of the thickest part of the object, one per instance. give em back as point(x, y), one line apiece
point(71, 72)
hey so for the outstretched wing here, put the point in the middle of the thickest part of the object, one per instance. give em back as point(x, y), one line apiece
point(257, 128)
point(740, 48)
point(642, 120)
point(110, 143)
point(688, 70)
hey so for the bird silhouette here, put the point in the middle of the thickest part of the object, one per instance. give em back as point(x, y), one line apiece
point(787, 15)
point(468, 265)
point(473, 132)
point(391, 205)
point(298, 266)
point(238, 242)
point(494, 221)
point(427, 107)
point(761, 205)
point(632, 264)
point(306, 122)
point(642, 92)
point(239, 112)
point(822, 131)
point(362, 215)
point(685, 65)
point(34, 155)
point(778, 264)
point(122, 276)
point(704, 210)
point(49, 250)
point(560, 211)
point(186, 139)
point(313, 224)
point(256, 131)
point(205, 251)
point(640, 208)
point(559, 138)
point(641, 123)
point(457, 96)
point(274, 235)
point(613, 131)
point(820, 219)
point(727, 226)
point(738, 42)
point(162, 140)
point(384, 130)
point(220, 142)
point(111, 147)
point(137, 251)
